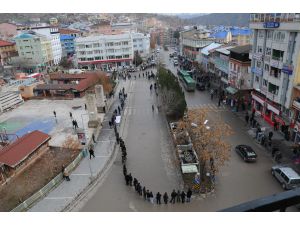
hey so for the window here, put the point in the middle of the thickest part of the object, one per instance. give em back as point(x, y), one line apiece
point(125, 56)
point(256, 78)
point(265, 83)
point(111, 57)
point(267, 67)
point(258, 64)
point(270, 34)
point(259, 49)
point(95, 45)
point(118, 57)
point(261, 34)
point(268, 51)
point(90, 59)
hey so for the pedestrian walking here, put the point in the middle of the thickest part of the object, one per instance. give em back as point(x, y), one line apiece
point(188, 195)
point(130, 179)
point(65, 174)
point(275, 125)
point(158, 198)
point(71, 115)
point(73, 124)
point(152, 108)
point(109, 123)
point(166, 198)
point(219, 102)
point(91, 151)
point(119, 109)
point(144, 192)
point(173, 197)
point(183, 197)
point(76, 124)
point(151, 197)
point(85, 107)
point(93, 137)
point(54, 113)
point(178, 196)
point(211, 94)
point(247, 118)
point(270, 135)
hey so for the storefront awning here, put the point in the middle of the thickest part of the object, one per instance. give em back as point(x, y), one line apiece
point(231, 90)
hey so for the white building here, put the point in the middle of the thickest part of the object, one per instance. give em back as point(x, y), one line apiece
point(141, 44)
point(275, 62)
point(104, 51)
point(9, 100)
point(52, 34)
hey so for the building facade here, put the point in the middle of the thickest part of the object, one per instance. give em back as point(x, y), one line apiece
point(52, 35)
point(191, 43)
point(7, 31)
point(141, 44)
point(7, 50)
point(274, 65)
point(67, 45)
point(104, 51)
point(34, 50)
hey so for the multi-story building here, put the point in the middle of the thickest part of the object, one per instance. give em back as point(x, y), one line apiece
point(275, 62)
point(104, 51)
point(7, 50)
point(192, 41)
point(141, 44)
point(67, 44)
point(239, 75)
point(34, 51)
point(240, 36)
point(52, 34)
point(205, 55)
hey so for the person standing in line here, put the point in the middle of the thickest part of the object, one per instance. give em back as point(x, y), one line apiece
point(166, 198)
point(124, 170)
point(158, 198)
point(188, 195)
point(91, 151)
point(183, 197)
point(148, 195)
point(135, 182)
point(173, 196)
point(151, 197)
point(126, 179)
point(178, 196)
point(130, 179)
point(144, 192)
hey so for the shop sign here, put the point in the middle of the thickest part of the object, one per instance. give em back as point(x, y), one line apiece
point(257, 56)
point(258, 99)
point(287, 68)
point(271, 24)
point(273, 109)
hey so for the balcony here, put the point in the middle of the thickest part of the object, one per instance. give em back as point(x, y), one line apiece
point(296, 103)
point(272, 96)
point(276, 62)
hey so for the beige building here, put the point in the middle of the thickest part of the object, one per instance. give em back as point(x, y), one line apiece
point(7, 50)
point(34, 50)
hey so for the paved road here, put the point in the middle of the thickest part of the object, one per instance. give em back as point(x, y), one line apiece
point(152, 162)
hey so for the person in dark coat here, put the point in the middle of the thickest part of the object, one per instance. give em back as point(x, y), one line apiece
point(183, 197)
point(130, 179)
point(54, 113)
point(166, 197)
point(93, 137)
point(71, 115)
point(91, 151)
point(178, 196)
point(158, 198)
point(144, 192)
point(173, 196)
point(148, 195)
point(119, 109)
point(124, 170)
point(247, 118)
point(270, 135)
point(135, 182)
point(188, 195)
point(127, 179)
point(85, 107)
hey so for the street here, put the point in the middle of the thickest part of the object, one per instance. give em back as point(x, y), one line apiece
point(151, 159)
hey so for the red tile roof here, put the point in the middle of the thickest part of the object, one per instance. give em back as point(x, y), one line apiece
point(68, 31)
point(5, 43)
point(13, 154)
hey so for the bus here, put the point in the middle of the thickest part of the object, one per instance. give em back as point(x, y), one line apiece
point(188, 82)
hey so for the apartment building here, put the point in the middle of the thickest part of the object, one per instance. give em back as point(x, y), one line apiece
point(34, 51)
point(104, 51)
point(192, 41)
point(52, 34)
point(275, 62)
point(7, 50)
point(141, 44)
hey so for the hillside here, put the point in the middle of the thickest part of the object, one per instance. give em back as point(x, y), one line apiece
point(226, 19)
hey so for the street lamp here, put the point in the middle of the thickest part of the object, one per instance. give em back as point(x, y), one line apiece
point(86, 141)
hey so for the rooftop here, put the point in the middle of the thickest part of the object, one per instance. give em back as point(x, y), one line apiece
point(13, 154)
point(6, 43)
point(211, 46)
point(68, 31)
point(225, 50)
point(241, 49)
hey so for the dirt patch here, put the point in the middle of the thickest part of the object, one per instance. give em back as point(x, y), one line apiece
point(35, 177)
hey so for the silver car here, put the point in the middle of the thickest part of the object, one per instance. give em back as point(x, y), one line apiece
point(288, 177)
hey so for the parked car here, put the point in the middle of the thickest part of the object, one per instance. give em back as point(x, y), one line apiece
point(171, 55)
point(246, 152)
point(288, 177)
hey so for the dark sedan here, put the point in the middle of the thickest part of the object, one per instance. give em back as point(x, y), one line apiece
point(246, 152)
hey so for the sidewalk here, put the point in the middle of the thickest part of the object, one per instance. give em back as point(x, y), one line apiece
point(278, 139)
point(87, 171)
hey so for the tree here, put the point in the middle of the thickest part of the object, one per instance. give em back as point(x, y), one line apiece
point(137, 60)
point(66, 63)
point(172, 96)
point(106, 83)
point(176, 34)
point(208, 140)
